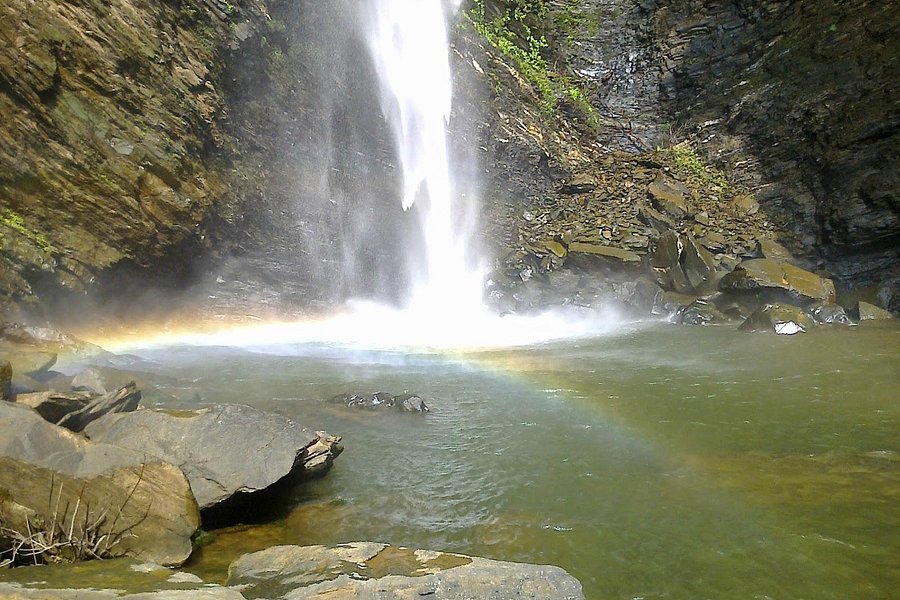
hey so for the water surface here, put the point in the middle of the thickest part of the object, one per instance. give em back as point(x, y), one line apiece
point(659, 462)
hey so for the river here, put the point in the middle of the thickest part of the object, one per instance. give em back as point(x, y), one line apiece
point(655, 462)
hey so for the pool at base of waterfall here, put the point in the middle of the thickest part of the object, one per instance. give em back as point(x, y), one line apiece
point(654, 462)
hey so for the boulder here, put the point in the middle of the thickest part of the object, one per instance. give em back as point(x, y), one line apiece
point(226, 450)
point(698, 265)
point(869, 312)
point(668, 250)
point(369, 570)
point(53, 406)
point(125, 399)
point(5, 379)
point(766, 274)
point(59, 480)
point(783, 319)
point(27, 362)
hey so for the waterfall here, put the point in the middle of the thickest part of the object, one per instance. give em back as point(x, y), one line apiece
point(409, 47)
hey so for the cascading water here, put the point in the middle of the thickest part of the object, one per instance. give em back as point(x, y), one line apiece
point(408, 43)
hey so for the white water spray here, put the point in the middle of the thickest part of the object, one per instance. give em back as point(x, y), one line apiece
point(409, 46)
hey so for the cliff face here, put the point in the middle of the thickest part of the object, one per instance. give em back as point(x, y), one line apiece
point(801, 99)
point(139, 136)
point(111, 144)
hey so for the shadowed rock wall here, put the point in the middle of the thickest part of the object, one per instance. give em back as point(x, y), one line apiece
point(799, 99)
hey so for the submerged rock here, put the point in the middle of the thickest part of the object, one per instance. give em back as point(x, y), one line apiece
point(226, 450)
point(370, 570)
point(404, 402)
point(780, 318)
point(51, 475)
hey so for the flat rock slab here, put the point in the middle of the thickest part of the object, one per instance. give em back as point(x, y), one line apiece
point(43, 465)
point(224, 449)
point(370, 570)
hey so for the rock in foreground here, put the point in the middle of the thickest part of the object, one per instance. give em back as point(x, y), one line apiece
point(225, 450)
point(370, 570)
point(83, 491)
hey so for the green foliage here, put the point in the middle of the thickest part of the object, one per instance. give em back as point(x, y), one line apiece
point(685, 158)
point(16, 222)
point(512, 33)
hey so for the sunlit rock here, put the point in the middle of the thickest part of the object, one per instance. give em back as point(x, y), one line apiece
point(54, 477)
point(670, 196)
point(370, 570)
point(765, 274)
point(227, 451)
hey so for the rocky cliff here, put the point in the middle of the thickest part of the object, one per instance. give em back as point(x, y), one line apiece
point(146, 137)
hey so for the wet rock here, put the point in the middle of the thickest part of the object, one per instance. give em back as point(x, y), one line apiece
point(668, 250)
point(699, 312)
point(369, 570)
point(669, 196)
point(227, 450)
point(123, 400)
point(830, 314)
point(767, 274)
point(404, 402)
point(5, 379)
point(781, 318)
point(150, 511)
point(53, 406)
point(556, 248)
point(869, 312)
point(698, 264)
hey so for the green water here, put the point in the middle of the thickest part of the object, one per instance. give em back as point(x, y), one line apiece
point(660, 462)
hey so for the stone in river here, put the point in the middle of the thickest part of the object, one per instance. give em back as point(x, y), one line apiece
point(226, 450)
point(828, 313)
point(371, 570)
point(780, 318)
point(700, 312)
